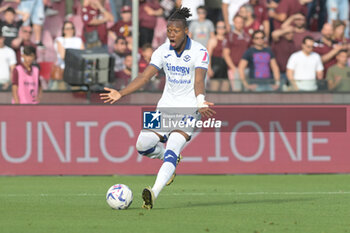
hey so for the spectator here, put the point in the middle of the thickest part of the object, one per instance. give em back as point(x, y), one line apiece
point(168, 7)
point(123, 77)
point(286, 8)
point(192, 5)
point(116, 5)
point(149, 10)
point(10, 27)
point(201, 30)
point(214, 11)
point(298, 21)
point(338, 75)
point(68, 40)
point(35, 8)
point(7, 64)
point(327, 47)
point(129, 43)
point(95, 18)
point(120, 51)
point(23, 40)
point(259, 59)
point(236, 43)
point(338, 10)
point(26, 87)
point(339, 30)
point(250, 23)
point(122, 28)
point(229, 10)
point(304, 67)
point(146, 54)
point(217, 68)
point(316, 12)
point(261, 14)
point(283, 47)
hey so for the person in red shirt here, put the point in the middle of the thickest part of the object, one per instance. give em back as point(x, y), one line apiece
point(236, 43)
point(283, 47)
point(123, 27)
point(261, 14)
point(23, 40)
point(123, 77)
point(250, 23)
point(146, 54)
point(298, 22)
point(287, 8)
point(327, 47)
point(149, 10)
point(95, 18)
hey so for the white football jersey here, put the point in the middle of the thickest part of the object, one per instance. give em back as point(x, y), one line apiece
point(180, 72)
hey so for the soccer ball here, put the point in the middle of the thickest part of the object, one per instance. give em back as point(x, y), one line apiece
point(119, 197)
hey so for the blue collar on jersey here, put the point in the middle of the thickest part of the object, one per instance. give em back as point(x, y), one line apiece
point(187, 46)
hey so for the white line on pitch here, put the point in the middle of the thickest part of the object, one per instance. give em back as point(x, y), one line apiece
point(183, 194)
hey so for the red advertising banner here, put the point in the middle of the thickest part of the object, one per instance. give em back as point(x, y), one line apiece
point(88, 140)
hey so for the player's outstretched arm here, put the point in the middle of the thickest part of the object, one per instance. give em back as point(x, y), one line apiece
point(113, 96)
point(199, 90)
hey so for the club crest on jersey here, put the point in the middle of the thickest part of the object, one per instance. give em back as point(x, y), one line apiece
point(187, 58)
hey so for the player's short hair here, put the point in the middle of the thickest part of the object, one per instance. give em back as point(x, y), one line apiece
point(29, 50)
point(10, 9)
point(181, 14)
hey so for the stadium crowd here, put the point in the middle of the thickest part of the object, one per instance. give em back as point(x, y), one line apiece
point(254, 45)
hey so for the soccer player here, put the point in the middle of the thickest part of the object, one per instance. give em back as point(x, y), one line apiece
point(185, 64)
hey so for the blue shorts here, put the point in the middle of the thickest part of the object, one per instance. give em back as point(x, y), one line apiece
point(36, 10)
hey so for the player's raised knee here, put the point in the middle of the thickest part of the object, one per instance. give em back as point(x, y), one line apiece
point(144, 149)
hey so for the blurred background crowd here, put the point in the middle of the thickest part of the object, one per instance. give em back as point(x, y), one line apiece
point(254, 45)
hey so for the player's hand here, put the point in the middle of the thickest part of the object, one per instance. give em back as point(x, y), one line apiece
point(207, 111)
point(111, 97)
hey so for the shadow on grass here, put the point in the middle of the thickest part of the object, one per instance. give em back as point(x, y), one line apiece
point(241, 202)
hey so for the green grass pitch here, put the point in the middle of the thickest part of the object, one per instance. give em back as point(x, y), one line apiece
point(233, 203)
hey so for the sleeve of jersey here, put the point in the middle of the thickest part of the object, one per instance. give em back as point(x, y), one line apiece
point(156, 59)
point(202, 60)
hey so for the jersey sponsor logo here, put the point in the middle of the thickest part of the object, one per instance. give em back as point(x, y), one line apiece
point(187, 58)
point(181, 81)
point(167, 56)
point(205, 58)
point(182, 70)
